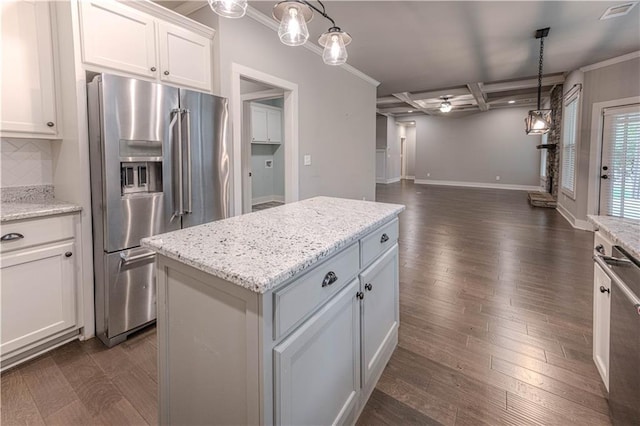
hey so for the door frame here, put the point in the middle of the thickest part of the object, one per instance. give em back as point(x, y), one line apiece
point(595, 153)
point(290, 115)
point(403, 157)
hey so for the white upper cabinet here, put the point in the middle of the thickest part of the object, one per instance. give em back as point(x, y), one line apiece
point(185, 57)
point(28, 71)
point(266, 124)
point(119, 37)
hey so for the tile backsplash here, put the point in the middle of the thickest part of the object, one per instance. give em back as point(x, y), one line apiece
point(25, 162)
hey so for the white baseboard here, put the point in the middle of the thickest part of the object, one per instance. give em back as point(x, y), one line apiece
point(576, 223)
point(409, 178)
point(479, 185)
point(385, 181)
point(267, 199)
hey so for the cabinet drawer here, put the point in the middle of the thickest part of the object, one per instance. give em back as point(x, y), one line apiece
point(37, 231)
point(377, 242)
point(300, 298)
point(599, 239)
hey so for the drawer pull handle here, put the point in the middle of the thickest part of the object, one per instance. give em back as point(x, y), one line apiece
point(68, 254)
point(600, 249)
point(368, 287)
point(329, 279)
point(12, 237)
point(604, 290)
point(384, 238)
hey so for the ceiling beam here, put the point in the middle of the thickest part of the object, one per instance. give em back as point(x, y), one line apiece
point(397, 110)
point(406, 97)
point(458, 91)
point(522, 84)
point(386, 100)
point(478, 95)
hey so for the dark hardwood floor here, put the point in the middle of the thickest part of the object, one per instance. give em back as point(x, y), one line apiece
point(495, 329)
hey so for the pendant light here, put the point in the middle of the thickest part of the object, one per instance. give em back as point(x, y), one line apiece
point(229, 8)
point(334, 42)
point(445, 106)
point(293, 16)
point(538, 122)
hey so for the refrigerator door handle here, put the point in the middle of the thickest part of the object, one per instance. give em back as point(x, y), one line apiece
point(189, 209)
point(179, 194)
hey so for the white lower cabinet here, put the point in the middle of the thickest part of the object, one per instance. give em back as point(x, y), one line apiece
point(38, 288)
point(317, 375)
point(601, 312)
point(380, 315)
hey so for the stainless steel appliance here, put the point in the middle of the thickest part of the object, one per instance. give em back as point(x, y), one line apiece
point(624, 343)
point(159, 162)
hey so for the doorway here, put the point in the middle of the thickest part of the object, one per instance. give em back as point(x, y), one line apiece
point(265, 140)
point(403, 158)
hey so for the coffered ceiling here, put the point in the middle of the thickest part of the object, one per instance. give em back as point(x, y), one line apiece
point(480, 53)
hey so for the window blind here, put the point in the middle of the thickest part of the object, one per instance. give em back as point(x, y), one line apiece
point(569, 145)
point(620, 193)
point(543, 157)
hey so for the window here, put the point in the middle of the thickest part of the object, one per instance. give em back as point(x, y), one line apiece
point(620, 191)
point(543, 157)
point(569, 127)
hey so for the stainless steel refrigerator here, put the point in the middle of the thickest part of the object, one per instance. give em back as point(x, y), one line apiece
point(159, 162)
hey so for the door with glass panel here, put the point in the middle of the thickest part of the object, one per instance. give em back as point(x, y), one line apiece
point(620, 166)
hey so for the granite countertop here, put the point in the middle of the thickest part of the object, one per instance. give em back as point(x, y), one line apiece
point(623, 232)
point(31, 202)
point(261, 250)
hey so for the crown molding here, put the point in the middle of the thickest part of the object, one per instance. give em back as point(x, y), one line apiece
point(268, 22)
point(612, 61)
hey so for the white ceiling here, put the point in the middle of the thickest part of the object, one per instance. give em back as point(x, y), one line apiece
point(426, 46)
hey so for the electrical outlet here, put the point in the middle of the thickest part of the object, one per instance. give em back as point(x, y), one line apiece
point(428, 174)
point(307, 160)
point(497, 177)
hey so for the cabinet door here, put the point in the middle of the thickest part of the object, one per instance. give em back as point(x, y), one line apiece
point(37, 295)
point(317, 367)
point(118, 37)
point(380, 316)
point(274, 125)
point(258, 124)
point(601, 319)
point(185, 57)
point(28, 79)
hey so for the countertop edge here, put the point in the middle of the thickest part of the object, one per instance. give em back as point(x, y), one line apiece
point(615, 235)
point(284, 276)
point(38, 213)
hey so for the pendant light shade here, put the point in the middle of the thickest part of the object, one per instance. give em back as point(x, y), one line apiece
point(229, 8)
point(445, 106)
point(293, 17)
point(538, 122)
point(334, 42)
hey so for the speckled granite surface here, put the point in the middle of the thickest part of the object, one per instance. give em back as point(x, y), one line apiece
point(27, 202)
point(261, 250)
point(622, 232)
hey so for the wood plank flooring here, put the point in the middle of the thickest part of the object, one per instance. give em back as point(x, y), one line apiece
point(495, 311)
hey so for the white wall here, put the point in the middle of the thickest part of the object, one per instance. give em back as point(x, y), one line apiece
point(393, 151)
point(617, 81)
point(475, 149)
point(336, 108)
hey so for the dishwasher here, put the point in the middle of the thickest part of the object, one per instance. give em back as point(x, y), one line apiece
point(624, 343)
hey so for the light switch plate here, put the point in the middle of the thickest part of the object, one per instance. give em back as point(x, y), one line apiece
point(307, 160)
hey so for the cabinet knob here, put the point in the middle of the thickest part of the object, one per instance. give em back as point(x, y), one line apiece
point(368, 287)
point(166, 73)
point(600, 249)
point(50, 124)
point(68, 254)
point(329, 279)
point(153, 69)
point(384, 238)
point(360, 295)
point(604, 290)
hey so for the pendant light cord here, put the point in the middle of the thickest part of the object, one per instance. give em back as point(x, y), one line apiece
point(540, 71)
point(321, 12)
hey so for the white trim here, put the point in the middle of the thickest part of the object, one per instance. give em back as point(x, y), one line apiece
point(409, 178)
point(263, 95)
point(595, 149)
point(612, 61)
point(575, 223)
point(269, 22)
point(267, 199)
point(479, 185)
point(171, 16)
point(386, 181)
point(291, 176)
point(571, 192)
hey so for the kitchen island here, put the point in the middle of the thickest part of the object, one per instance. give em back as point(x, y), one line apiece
point(284, 316)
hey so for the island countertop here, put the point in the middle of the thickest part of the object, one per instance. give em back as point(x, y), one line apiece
point(261, 250)
point(623, 232)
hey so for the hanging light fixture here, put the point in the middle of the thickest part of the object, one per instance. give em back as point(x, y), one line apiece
point(538, 122)
point(446, 106)
point(293, 16)
point(229, 8)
